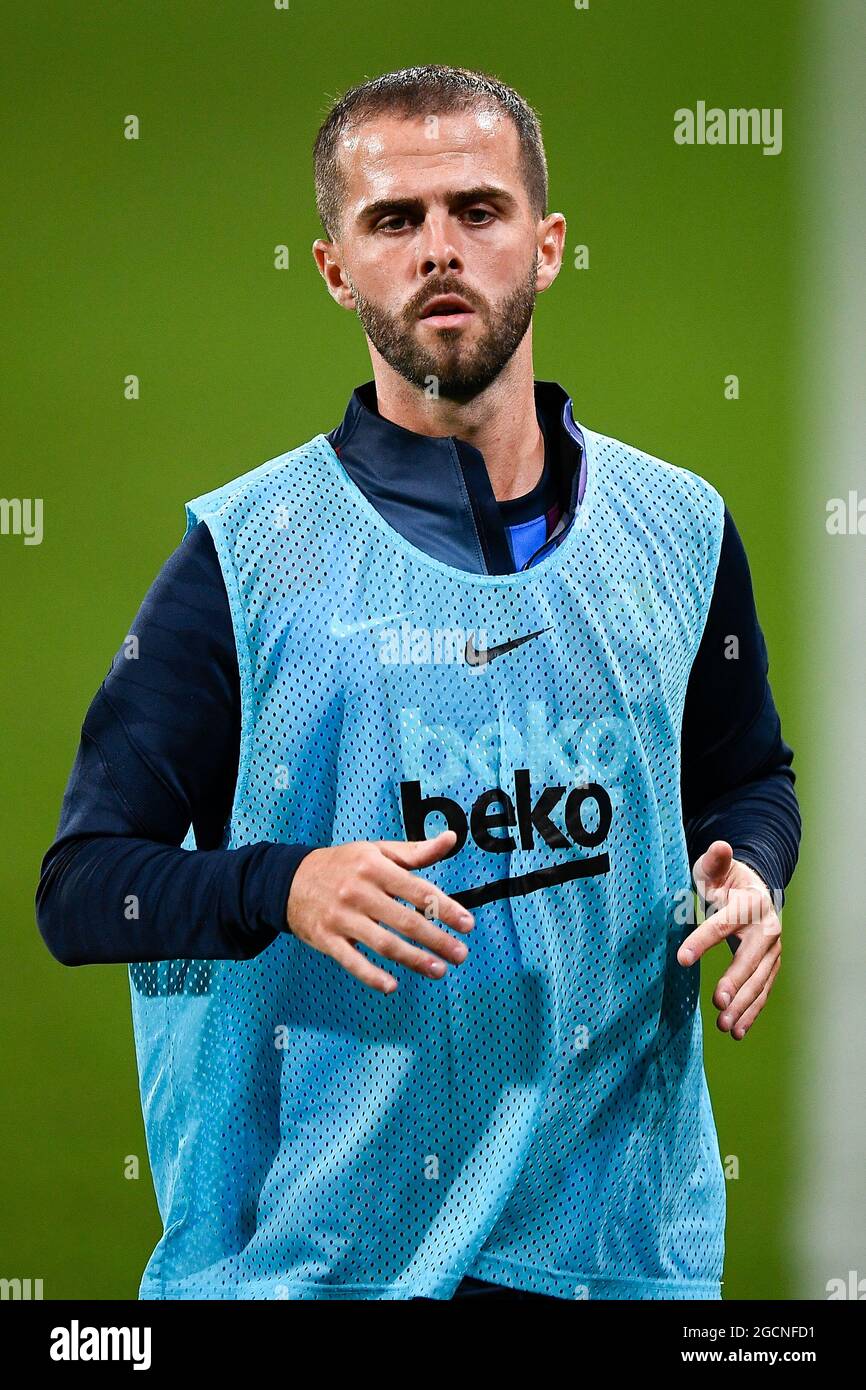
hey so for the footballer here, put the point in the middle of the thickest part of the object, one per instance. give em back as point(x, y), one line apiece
point(401, 801)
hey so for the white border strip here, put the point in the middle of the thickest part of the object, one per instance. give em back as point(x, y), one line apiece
point(828, 938)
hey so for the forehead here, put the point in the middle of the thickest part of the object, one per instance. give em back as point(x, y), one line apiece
point(403, 156)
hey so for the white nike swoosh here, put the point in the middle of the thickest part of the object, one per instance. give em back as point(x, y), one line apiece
point(341, 629)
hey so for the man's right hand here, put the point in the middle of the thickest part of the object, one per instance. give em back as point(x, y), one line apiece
point(347, 894)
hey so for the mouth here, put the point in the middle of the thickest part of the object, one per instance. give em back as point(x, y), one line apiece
point(446, 311)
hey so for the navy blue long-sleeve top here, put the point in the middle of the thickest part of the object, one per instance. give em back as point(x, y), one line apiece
point(160, 742)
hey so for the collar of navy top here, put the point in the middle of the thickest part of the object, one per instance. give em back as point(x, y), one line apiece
point(436, 491)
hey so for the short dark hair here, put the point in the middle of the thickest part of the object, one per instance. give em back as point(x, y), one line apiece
point(431, 89)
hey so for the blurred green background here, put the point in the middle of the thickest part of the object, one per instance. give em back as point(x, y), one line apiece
point(155, 257)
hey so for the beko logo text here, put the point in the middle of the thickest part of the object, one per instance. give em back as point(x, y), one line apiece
point(77, 1343)
point(494, 810)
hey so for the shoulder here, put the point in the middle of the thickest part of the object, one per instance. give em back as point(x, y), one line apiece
point(628, 461)
point(262, 485)
point(676, 507)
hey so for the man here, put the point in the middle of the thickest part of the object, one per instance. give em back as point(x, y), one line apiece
point(379, 1061)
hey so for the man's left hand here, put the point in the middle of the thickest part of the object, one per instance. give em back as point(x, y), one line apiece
point(744, 909)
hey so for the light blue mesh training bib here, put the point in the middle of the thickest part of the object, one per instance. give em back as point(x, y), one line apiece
point(540, 1116)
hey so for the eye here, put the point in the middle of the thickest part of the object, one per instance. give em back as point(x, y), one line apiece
point(392, 223)
point(386, 225)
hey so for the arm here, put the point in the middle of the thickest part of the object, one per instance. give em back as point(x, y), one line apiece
point(737, 779)
point(740, 811)
point(158, 753)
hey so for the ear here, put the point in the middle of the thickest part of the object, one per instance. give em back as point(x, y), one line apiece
point(327, 256)
point(548, 258)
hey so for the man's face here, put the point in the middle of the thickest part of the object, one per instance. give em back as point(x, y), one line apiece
point(437, 206)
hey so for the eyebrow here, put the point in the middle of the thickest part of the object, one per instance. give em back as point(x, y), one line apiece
point(455, 198)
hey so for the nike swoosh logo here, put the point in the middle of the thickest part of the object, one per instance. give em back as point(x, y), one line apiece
point(476, 658)
point(341, 629)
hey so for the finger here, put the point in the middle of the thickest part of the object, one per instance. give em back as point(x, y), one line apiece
point(712, 868)
point(414, 854)
point(745, 907)
point(355, 927)
point(345, 954)
point(430, 900)
point(749, 992)
point(741, 1028)
point(392, 947)
point(711, 931)
point(384, 909)
point(757, 943)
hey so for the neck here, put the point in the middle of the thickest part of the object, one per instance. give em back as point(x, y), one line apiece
point(500, 421)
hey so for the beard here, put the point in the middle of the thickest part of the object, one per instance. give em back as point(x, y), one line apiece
point(461, 370)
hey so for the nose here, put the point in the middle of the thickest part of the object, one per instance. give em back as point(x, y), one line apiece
point(437, 252)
